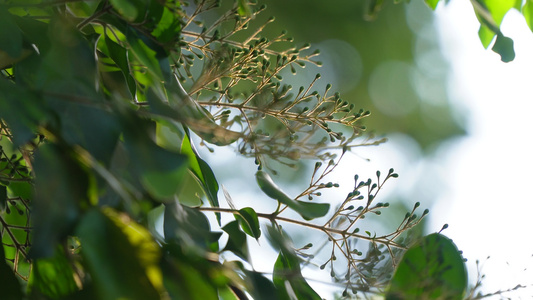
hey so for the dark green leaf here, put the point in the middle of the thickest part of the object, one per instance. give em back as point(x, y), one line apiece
point(9, 284)
point(10, 35)
point(22, 110)
point(504, 47)
point(152, 56)
point(236, 240)
point(187, 275)
point(61, 186)
point(202, 171)
point(431, 269)
point(247, 217)
point(168, 28)
point(260, 288)
point(307, 210)
point(21, 189)
point(182, 223)
point(159, 170)
point(52, 277)
point(119, 55)
point(288, 278)
point(113, 263)
point(131, 10)
point(3, 196)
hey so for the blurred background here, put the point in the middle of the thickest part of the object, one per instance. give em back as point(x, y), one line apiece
point(456, 117)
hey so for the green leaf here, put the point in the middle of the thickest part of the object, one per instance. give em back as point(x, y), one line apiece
point(111, 260)
point(236, 240)
point(53, 277)
point(504, 47)
point(119, 55)
point(260, 288)
point(499, 8)
point(131, 10)
point(527, 11)
point(185, 224)
point(168, 28)
point(153, 57)
point(202, 171)
point(431, 269)
point(288, 278)
point(3, 197)
point(432, 3)
point(22, 110)
point(372, 9)
point(243, 8)
point(10, 35)
point(486, 35)
point(9, 284)
point(21, 189)
point(61, 187)
point(159, 170)
point(249, 221)
point(187, 275)
point(307, 210)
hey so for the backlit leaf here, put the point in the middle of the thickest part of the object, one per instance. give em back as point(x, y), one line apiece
point(236, 240)
point(111, 260)
point(247, 217)
point(431, 269)
point(307, 210)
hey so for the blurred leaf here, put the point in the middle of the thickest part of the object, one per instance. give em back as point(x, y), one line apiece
point(77, 77)
point(21, 189)
point(131, 10)
point(168, 27)
point(243, 8)
point(260, 287)
point(485, 35)
point(202, 171)
point(159, 170)
point(373, 7)
point(247, 217)
point(153, 58)
point(52, 277)
point(111, 260)
point(3, 196)
point(288, 278)
point(187, 275)
point(119, 55)
point(9, 284)
point(10, 35)
point(307, 210)
point(189, 226)
point(236, 240)
point(527, 11)
point(61, 186)
point(147, 250)
point(432, 3)
point(22, 110)
point(431, 269)
point(498, 8)
point(504, 47)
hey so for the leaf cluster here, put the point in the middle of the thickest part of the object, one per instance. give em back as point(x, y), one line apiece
point(100, 108)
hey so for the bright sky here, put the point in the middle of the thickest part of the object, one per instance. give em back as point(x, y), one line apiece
point(488, 202)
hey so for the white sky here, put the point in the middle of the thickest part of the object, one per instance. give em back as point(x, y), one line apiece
point(488, 202)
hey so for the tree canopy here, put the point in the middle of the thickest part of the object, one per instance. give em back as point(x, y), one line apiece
point(104, 195)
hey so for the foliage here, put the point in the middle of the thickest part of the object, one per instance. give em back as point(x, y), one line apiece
point(101, 105)
point(490, 14)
